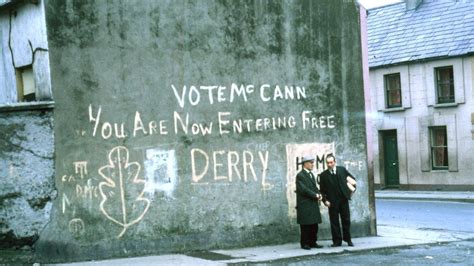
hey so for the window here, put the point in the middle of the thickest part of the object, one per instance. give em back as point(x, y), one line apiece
point(439, 148)
point(445, 84)
point(25, 80)
point(393, 90)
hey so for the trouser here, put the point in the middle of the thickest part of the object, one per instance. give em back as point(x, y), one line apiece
point(309, 234)
point(341, 209)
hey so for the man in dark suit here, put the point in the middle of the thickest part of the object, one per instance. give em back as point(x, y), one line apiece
point(307, 205)
point(336, 196)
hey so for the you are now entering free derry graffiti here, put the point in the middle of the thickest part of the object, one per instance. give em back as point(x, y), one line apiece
point(224, 122)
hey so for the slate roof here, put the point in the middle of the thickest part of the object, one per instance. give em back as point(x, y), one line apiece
point(437, 28)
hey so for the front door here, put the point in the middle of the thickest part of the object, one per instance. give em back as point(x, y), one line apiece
point(390, 155)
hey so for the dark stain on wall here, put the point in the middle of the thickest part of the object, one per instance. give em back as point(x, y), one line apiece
point(68, 24)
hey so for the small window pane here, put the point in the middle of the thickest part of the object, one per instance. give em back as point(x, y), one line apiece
point(393, 90)
point(445, 84)
point(26, 88)
point(439, 147)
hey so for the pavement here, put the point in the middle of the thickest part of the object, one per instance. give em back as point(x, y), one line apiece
point(388, 237)
point(458, 196)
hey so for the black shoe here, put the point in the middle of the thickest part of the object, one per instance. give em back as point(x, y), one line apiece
point(315, 245)
point(350, 244)
point(306, 247)
point(336, 245)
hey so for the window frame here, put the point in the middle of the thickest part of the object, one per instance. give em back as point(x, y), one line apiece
point(439, 84)
point(20, 86)
point(388, 90)
point(434, 146)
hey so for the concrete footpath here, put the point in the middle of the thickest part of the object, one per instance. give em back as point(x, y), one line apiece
point(458, 196)
point(388, 237)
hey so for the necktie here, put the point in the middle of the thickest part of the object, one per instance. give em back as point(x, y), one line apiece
point(312, 176)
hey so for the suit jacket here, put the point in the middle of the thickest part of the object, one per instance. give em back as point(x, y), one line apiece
point(334, 189)
point(307, 206)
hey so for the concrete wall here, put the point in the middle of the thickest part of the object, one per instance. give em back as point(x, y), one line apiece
point(178, 123)
point(26, 176)
point(419, 112)
point(26, 129)
point(368, 110)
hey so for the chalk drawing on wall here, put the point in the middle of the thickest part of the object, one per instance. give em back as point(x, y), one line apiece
point(294, 152)
point(76, 227)
point(160, 171)
point(65, 203)
point(122, 191)
point(80, 167)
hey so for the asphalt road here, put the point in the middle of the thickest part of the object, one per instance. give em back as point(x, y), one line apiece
point(452, 216)
point(453, 253)
point(421, 215)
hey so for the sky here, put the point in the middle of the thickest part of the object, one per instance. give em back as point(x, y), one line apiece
point(376, 3)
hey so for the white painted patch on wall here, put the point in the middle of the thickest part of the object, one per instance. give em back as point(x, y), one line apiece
point(160, 171)
point(293, 153)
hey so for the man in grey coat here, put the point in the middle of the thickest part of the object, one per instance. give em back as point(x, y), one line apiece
point(307, 205)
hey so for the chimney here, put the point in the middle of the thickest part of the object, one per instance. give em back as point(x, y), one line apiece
point(412, 4)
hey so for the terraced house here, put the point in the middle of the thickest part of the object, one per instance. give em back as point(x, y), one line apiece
point(421, 106)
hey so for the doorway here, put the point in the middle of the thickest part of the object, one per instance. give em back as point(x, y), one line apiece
point(390, 159)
